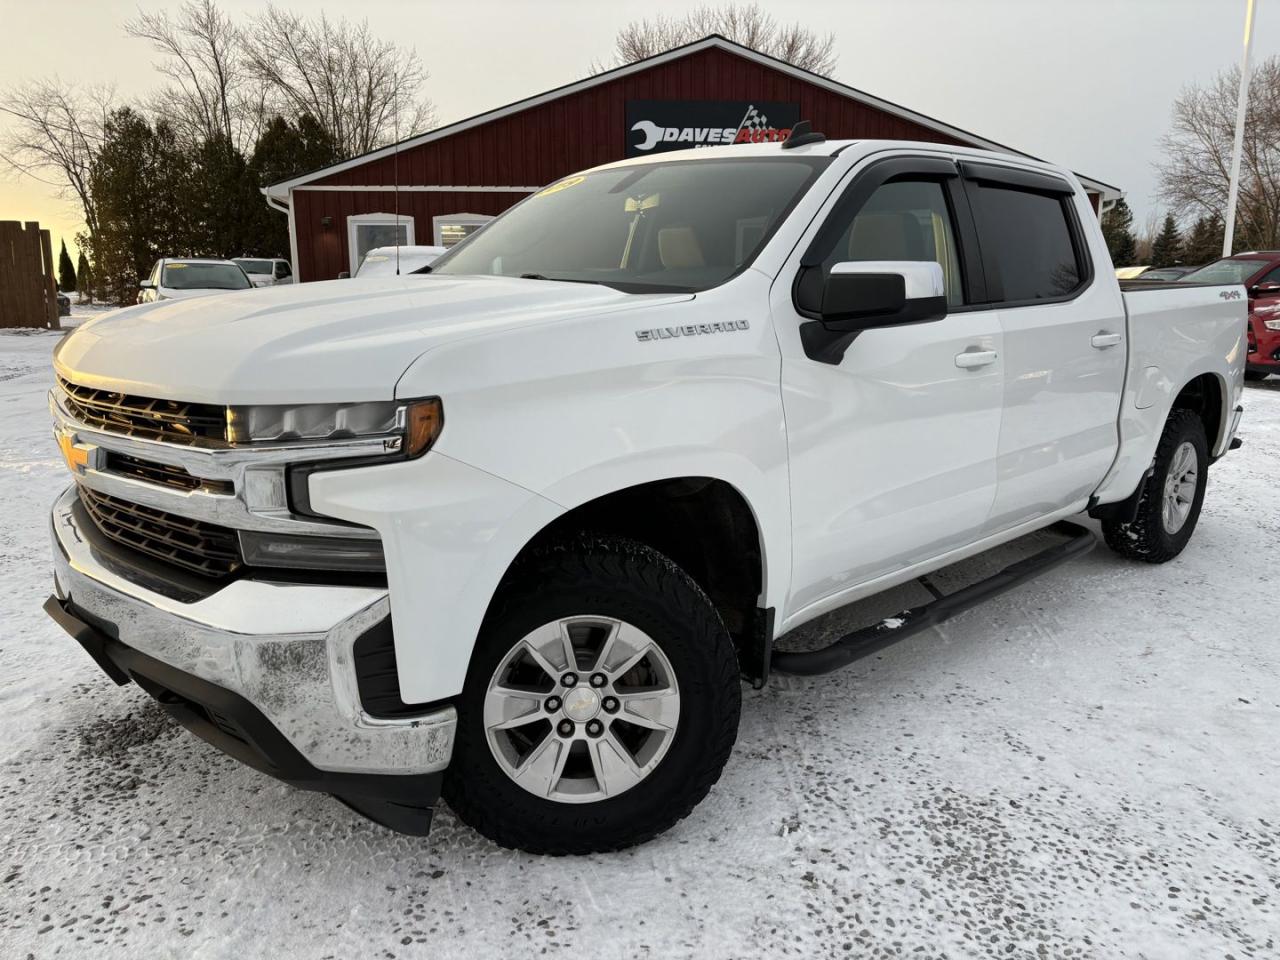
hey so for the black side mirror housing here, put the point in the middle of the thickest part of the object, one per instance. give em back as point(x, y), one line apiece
point(859, 296)
point(344, 275)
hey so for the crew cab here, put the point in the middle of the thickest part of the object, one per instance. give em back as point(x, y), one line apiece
point(1259, 272)
point(519, 529)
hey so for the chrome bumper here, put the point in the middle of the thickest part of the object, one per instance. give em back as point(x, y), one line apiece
point(284, 647)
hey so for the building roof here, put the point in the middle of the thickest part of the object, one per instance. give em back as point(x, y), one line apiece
point(280, 191)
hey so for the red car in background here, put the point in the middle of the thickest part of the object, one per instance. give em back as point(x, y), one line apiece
point(1260, 273)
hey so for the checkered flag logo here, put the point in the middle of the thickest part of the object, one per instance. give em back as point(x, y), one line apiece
point(754, 121)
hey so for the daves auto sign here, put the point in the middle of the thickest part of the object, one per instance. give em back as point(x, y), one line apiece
point(655, 126)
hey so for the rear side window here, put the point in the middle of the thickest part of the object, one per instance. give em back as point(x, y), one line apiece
point(1030, 239)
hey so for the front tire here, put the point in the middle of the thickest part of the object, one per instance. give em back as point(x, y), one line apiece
point(601, 704)
point(1171, 496)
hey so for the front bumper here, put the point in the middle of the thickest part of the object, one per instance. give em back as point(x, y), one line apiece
point(262, 670)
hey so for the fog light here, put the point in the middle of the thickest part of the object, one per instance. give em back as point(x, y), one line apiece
point(301, 552)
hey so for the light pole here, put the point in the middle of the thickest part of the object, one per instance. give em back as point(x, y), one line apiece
point(1242, 107)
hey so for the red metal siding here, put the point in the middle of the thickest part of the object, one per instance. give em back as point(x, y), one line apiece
point(542, 143)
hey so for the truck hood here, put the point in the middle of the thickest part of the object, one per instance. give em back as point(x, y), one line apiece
point(337, 341)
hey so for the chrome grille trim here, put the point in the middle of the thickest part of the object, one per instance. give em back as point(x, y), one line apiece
point(243, 486)
point(172, 421)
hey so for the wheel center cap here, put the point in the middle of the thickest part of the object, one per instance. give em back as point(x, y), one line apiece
point(581, 704)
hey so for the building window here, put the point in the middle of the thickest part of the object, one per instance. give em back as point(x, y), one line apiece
point(451, 228)
point(369, 230)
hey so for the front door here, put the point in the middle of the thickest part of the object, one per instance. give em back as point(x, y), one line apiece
point(892, 447)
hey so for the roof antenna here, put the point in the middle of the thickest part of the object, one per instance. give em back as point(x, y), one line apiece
point(395, 178)
point(801, 134)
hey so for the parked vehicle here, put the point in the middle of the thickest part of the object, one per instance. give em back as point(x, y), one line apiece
point(181, 278)
point(517, 531)
point(1259, 273)
point(387, 261)
point(265, 271)
point(64, 304)
point(1166, 273)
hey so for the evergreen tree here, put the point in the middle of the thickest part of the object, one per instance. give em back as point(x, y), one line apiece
point(283, 151)
point(1166, 250)
point(224, 202)
point(1204, 243)
point(1117, 229)
point(140, 181)
point(66, 273)
point(84, 279)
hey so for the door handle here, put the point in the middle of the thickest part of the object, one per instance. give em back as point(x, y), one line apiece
point(1102, 340)
point(975, 358)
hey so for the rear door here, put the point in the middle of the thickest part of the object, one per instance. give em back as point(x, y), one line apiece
point(892, 446)
point(1064, 339)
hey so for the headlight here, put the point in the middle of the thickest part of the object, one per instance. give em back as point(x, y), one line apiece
point(411, 426)
point(1272, 324)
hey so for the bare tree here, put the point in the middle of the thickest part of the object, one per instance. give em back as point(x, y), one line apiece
point(212, 95)
point(747, 24)
point(56, 130)
point(1197, 154)
point(364, 91)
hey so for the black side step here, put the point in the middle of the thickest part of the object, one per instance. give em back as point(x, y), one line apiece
point(873, 639)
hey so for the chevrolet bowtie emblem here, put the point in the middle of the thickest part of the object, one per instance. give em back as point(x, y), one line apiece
point(79, 456)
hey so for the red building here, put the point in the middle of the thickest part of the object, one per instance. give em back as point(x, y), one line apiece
point(456, 177)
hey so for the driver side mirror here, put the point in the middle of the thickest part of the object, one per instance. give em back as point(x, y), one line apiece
point(863, 295)
point(146, 285)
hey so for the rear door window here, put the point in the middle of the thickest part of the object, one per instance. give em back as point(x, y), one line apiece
point(1030, 239)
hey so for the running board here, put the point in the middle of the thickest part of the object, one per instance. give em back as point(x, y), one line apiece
point(873, 639)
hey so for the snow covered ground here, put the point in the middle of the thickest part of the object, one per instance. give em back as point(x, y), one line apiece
point(1085, 767)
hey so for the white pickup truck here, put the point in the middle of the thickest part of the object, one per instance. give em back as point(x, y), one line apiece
point(518, 530)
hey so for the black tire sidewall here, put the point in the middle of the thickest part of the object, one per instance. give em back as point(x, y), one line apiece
point(659, 600)
point(1184, 426)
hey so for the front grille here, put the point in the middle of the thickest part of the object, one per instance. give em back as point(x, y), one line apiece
point(164, 474)
point(172, 421)
point(193, 545)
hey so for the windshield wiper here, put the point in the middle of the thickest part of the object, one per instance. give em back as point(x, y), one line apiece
point(539, 276)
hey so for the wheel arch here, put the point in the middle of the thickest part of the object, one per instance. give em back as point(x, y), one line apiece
point(706, 525)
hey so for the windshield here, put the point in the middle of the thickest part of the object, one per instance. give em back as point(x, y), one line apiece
point(255, 266)
point(1224, 271)
point(678, 226)
point(204, 276)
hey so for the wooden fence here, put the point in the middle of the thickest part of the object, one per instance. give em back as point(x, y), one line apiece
point(27, 284)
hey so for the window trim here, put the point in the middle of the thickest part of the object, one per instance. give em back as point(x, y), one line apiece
point(357, 220)
point(455, 220)
point(854, 197)
point(974, 176)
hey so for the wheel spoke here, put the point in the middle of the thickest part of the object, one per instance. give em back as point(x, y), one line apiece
point(655, 709)
point(614, 767)
point(547, 648)
point(505, 708)
point(542, 769)
point(621, 650)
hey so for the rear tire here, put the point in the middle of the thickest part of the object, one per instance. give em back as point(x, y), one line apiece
point(1171, 496)
point(545, 758)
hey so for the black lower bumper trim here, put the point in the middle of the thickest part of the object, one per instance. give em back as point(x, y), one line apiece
point(873, 639)
point(239, 729)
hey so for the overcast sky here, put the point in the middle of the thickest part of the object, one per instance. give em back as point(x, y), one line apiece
point(1086, 83)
